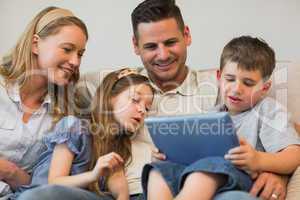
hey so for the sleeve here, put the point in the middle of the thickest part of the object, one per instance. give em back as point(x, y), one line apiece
point(71, 131)
point(4, 189)
point(276, 131)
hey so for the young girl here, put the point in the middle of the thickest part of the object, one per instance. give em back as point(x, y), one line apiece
point(34, 80)
point(119, 108)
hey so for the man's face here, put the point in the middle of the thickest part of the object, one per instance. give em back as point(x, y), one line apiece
point(163, 50)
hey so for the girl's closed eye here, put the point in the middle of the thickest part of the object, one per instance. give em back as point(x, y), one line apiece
point(67, 49)
point(135, 99)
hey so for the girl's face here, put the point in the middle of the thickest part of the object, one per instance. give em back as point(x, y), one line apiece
point(59, 55)
point(131, 106)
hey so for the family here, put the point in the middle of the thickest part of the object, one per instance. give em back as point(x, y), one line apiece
point(66, 136)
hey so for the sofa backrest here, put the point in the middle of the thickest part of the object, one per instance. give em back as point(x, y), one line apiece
point(285, 85)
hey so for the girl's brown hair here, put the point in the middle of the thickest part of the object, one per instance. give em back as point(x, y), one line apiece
point(107, 135)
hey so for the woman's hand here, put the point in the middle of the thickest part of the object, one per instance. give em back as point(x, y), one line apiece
point(12, 174)
point(107, 164)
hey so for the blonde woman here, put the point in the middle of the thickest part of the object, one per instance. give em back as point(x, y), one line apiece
point(35, 80)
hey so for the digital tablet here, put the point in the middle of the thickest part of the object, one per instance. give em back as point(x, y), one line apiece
point(185, 139)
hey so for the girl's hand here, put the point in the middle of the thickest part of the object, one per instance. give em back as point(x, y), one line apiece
point(244, 157)
point(157, 156)
point(107, 164)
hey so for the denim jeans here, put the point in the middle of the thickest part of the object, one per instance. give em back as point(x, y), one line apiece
point(175, 174)
point(54, 192)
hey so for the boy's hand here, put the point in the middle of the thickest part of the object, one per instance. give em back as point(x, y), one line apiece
point(244, 157)
point(156, 155)
point(107, 164)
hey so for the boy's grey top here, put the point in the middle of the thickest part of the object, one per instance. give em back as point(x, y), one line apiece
point(266, 126)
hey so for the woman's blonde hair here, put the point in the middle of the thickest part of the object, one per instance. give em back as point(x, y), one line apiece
point(107, 135)
point(17, 66)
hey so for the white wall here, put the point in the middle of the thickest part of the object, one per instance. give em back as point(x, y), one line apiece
point(212, 22)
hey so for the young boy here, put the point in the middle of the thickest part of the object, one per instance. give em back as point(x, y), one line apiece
point(267, 141)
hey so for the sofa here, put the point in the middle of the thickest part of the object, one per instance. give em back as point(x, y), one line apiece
point(285, 89)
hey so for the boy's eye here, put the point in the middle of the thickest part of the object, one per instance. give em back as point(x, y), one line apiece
point(67, 50)
point(249, 83)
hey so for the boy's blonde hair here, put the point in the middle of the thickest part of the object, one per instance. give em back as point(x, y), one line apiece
point(250, 54)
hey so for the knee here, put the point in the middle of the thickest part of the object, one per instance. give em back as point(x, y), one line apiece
point(155, 178)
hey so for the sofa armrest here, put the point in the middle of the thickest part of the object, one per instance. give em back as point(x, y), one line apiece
point(293, 189)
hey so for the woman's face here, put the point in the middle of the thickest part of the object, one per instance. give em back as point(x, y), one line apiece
point(131, 106)
point(59, 56)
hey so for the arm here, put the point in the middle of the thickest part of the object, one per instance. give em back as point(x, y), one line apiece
point(247, 158)
point(118, 186)
point(61, 163)
point(283, 162)
point(12, 174)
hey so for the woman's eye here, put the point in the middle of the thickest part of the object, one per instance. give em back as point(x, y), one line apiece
point(135, 100)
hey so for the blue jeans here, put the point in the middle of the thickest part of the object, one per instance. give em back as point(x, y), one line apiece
point(56, 192)
point(175, 174)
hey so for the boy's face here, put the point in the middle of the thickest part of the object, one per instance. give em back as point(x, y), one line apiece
point(241, 89)
point(163, 50)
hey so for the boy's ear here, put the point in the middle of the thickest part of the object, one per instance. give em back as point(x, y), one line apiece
point(135, 45)
point(34, 47)
point(267, 85)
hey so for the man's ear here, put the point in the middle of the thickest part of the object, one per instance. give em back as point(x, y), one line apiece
point(34, 45)
point(218, 75)
point(187, 36)
point(135, 45)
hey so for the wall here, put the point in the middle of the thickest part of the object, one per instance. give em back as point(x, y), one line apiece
point(212, 22)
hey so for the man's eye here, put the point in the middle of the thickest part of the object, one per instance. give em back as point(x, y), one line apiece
point(230, 79)
point(150, 47)
point(170, 42)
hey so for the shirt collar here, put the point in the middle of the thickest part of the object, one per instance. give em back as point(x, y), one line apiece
point(13, 91)
point(187, 88)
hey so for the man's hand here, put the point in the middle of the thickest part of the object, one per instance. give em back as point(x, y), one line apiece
point(268, 186)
